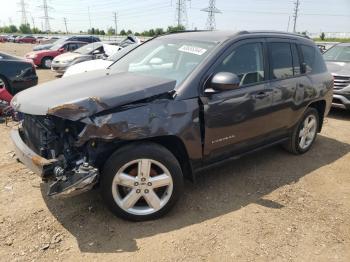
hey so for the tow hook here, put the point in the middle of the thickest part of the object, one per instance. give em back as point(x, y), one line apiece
point(83, 179)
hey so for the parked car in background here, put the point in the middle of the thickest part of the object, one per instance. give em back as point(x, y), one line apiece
point(175, 105)
point(16, 74)
point(12, 38)
point(26, 39)
point(338, 63)
point(43, 58)
point(98, 63)
point(3, 38)
point(82, 38)
point(88, 52)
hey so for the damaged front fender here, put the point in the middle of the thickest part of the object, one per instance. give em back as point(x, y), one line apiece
point(162, 117)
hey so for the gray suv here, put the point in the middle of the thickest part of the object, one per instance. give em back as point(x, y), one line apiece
point(172, 106)
point(338, 63)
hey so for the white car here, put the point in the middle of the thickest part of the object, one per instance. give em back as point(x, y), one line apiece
point(98, 63)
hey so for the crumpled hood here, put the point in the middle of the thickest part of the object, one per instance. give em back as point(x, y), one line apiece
point(67, 56)
point(87, 66)
point(78, 96)
point(339, 68)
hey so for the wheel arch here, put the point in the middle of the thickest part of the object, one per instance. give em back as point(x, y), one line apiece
point(320, 106)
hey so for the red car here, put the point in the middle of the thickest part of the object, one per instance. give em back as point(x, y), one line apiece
point(44, 58)
point(26, 39)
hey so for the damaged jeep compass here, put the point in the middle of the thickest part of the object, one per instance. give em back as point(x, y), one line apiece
point(174, 105)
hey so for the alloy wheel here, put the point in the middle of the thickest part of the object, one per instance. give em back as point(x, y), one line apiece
point(142, 187)
point(307, 132)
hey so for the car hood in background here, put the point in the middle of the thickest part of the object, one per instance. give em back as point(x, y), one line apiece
point(87, 67)
point(67, 56)
point(77, 97)
point(42, 47)
point(339, 68)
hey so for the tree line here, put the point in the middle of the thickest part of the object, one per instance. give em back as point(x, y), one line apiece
point(26, 29)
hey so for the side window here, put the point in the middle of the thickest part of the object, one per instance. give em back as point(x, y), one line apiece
point(296, 60)
point(72, 47)
point(247, 62)
point(313, 60)
point(281, 60)
point(309, 57)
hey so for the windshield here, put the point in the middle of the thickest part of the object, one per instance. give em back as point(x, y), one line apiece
point(119, 54)
point(87, 49)
point(173, 59)
point(338, 53)
point(57, 44)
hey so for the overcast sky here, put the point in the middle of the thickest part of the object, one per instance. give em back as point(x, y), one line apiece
point(139, 15)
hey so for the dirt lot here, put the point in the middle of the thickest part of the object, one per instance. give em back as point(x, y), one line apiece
point(269, 206)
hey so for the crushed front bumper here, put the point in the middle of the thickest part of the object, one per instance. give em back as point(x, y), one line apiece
point(81, 179)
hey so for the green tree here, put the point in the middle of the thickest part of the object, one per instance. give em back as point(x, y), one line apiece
point(111, 31)
point(13, 29)
point(159, 31)
point(102, 32)
point(129, 32)
point(323, 36)
point(122, 32)
point(173, 29)
point(25, 29)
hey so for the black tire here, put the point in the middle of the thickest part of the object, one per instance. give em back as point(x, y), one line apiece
point(132, 152)
point(7, 85)
point(43, 62)
point(292, 145)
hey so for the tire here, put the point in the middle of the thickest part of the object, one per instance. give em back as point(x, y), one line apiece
point(123, 180)
point(294, 145)
point(6, 84)
point(46, 62)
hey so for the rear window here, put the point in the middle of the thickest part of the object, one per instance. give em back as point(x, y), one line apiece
point(313, 59)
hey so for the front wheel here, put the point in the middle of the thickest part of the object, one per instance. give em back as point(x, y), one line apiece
point(46, 62)
point(141, 181)
point(304, 134)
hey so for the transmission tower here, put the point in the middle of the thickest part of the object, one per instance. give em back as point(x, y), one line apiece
point(115, 23)
point(46, 16)
point(65, 24)
point(181, 13)
point(295, 15)
point(23, 10)
point(211, 10)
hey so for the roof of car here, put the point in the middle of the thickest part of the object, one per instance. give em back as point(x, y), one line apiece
point(220, 36)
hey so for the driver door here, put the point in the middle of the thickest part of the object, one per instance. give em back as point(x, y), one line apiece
point(238, 119)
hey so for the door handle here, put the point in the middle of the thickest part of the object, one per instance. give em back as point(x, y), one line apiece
point(260, 95)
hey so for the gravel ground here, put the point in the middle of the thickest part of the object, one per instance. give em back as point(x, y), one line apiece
point(268, 206)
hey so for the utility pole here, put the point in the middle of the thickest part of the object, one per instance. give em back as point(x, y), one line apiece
point(65, 24)
point(33, 22)
point(46, 16)
point(288, 23)
point(211, 10)
point(115, 23)
point(295, 15)
point(24, 20)
point(181, 13)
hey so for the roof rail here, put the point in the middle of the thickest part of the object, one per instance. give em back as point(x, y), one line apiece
point(277, 32)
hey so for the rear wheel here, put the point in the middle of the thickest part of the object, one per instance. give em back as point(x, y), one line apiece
point(304, 134)
point(46, 62)
point(141, 181)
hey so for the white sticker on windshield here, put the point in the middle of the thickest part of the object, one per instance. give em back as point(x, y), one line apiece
point(192, 49)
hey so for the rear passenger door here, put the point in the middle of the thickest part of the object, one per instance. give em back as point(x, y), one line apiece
point(287, 83)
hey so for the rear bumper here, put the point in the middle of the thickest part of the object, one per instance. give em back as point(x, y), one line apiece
point(39, 165)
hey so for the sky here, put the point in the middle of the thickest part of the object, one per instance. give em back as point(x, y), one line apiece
point(139, 15)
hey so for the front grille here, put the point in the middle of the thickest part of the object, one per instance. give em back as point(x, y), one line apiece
point(341, 81)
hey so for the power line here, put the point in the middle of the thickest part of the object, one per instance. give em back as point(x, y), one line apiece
point(211, 10)
point(295, 16)
point(23, 10)
point(115, 23)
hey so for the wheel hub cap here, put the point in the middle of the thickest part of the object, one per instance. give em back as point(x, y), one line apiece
point(307, 132)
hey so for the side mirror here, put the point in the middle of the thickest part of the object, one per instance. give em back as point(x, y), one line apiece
point(61, 50)
point(96, 52)
point(223, 81)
